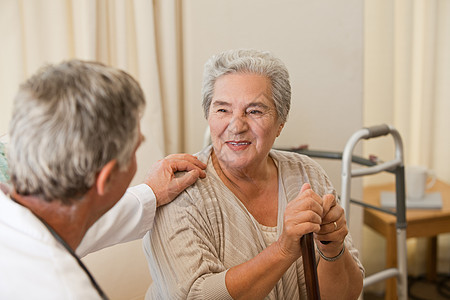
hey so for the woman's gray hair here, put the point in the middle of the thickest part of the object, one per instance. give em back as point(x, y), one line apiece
point(69, 120)
point(253, 62)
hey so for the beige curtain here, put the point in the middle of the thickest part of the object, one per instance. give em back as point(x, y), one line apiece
point(139, 36)
point(421, 78)
point(407, 84)
point(407, 78)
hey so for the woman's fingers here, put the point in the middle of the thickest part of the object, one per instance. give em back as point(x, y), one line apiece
point(329, 201)
point(334, 226)
point(302, 215)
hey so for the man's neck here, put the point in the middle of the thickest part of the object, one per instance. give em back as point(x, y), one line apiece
point(70, 222)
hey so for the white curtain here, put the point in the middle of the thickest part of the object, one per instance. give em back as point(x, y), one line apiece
point(139, 36)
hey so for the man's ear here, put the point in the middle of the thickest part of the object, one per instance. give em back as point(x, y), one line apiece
point(104, 176)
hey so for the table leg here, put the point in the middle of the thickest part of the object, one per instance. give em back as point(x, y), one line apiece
point(432, 258)
point(391, 262)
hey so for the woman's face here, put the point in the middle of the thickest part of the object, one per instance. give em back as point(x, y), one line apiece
point(243, 120)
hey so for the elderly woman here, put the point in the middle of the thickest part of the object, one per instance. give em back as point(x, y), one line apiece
point(236, 233)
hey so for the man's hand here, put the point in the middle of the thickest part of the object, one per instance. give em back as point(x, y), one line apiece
point(161, 177)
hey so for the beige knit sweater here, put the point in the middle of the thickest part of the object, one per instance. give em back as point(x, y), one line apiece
point(207, 230)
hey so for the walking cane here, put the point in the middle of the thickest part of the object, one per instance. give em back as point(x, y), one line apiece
point(309, 266)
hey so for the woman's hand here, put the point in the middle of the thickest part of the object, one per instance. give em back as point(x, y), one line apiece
point(333, 228)
point(302, 216)
point(340, 277)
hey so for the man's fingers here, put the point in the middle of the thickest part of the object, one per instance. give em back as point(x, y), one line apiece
point(188, 158)
point(178, 165)
point(186, 180)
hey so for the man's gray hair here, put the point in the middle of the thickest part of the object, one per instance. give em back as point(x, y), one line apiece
point(252, 62)
point(69, 120)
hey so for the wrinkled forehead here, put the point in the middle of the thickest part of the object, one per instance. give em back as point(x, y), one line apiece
point(250, 87)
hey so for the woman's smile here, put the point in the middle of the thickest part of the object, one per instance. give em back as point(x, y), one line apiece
point(237, 145)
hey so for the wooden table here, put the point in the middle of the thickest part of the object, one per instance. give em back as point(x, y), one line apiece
point(421, 223)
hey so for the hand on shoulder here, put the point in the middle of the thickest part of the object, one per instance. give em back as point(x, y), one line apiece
point(162, 180)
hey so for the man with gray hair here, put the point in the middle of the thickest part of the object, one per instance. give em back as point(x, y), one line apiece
point(73, 136)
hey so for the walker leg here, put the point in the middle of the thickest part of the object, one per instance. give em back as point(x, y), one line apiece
point(391, 262)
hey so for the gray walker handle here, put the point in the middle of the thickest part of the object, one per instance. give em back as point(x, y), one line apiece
point(395, 166)
point(348, 173)
point(377, 130)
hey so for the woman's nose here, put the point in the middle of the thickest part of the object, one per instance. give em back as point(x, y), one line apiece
point(238, 124)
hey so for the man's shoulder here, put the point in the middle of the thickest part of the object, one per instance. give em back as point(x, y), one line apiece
point(34, 265)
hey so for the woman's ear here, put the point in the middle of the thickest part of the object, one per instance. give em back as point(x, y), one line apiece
point(279, 129)
point(104, 177)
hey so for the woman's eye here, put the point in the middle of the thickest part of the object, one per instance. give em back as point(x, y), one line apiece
point(221, 110)
point(255, 112)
